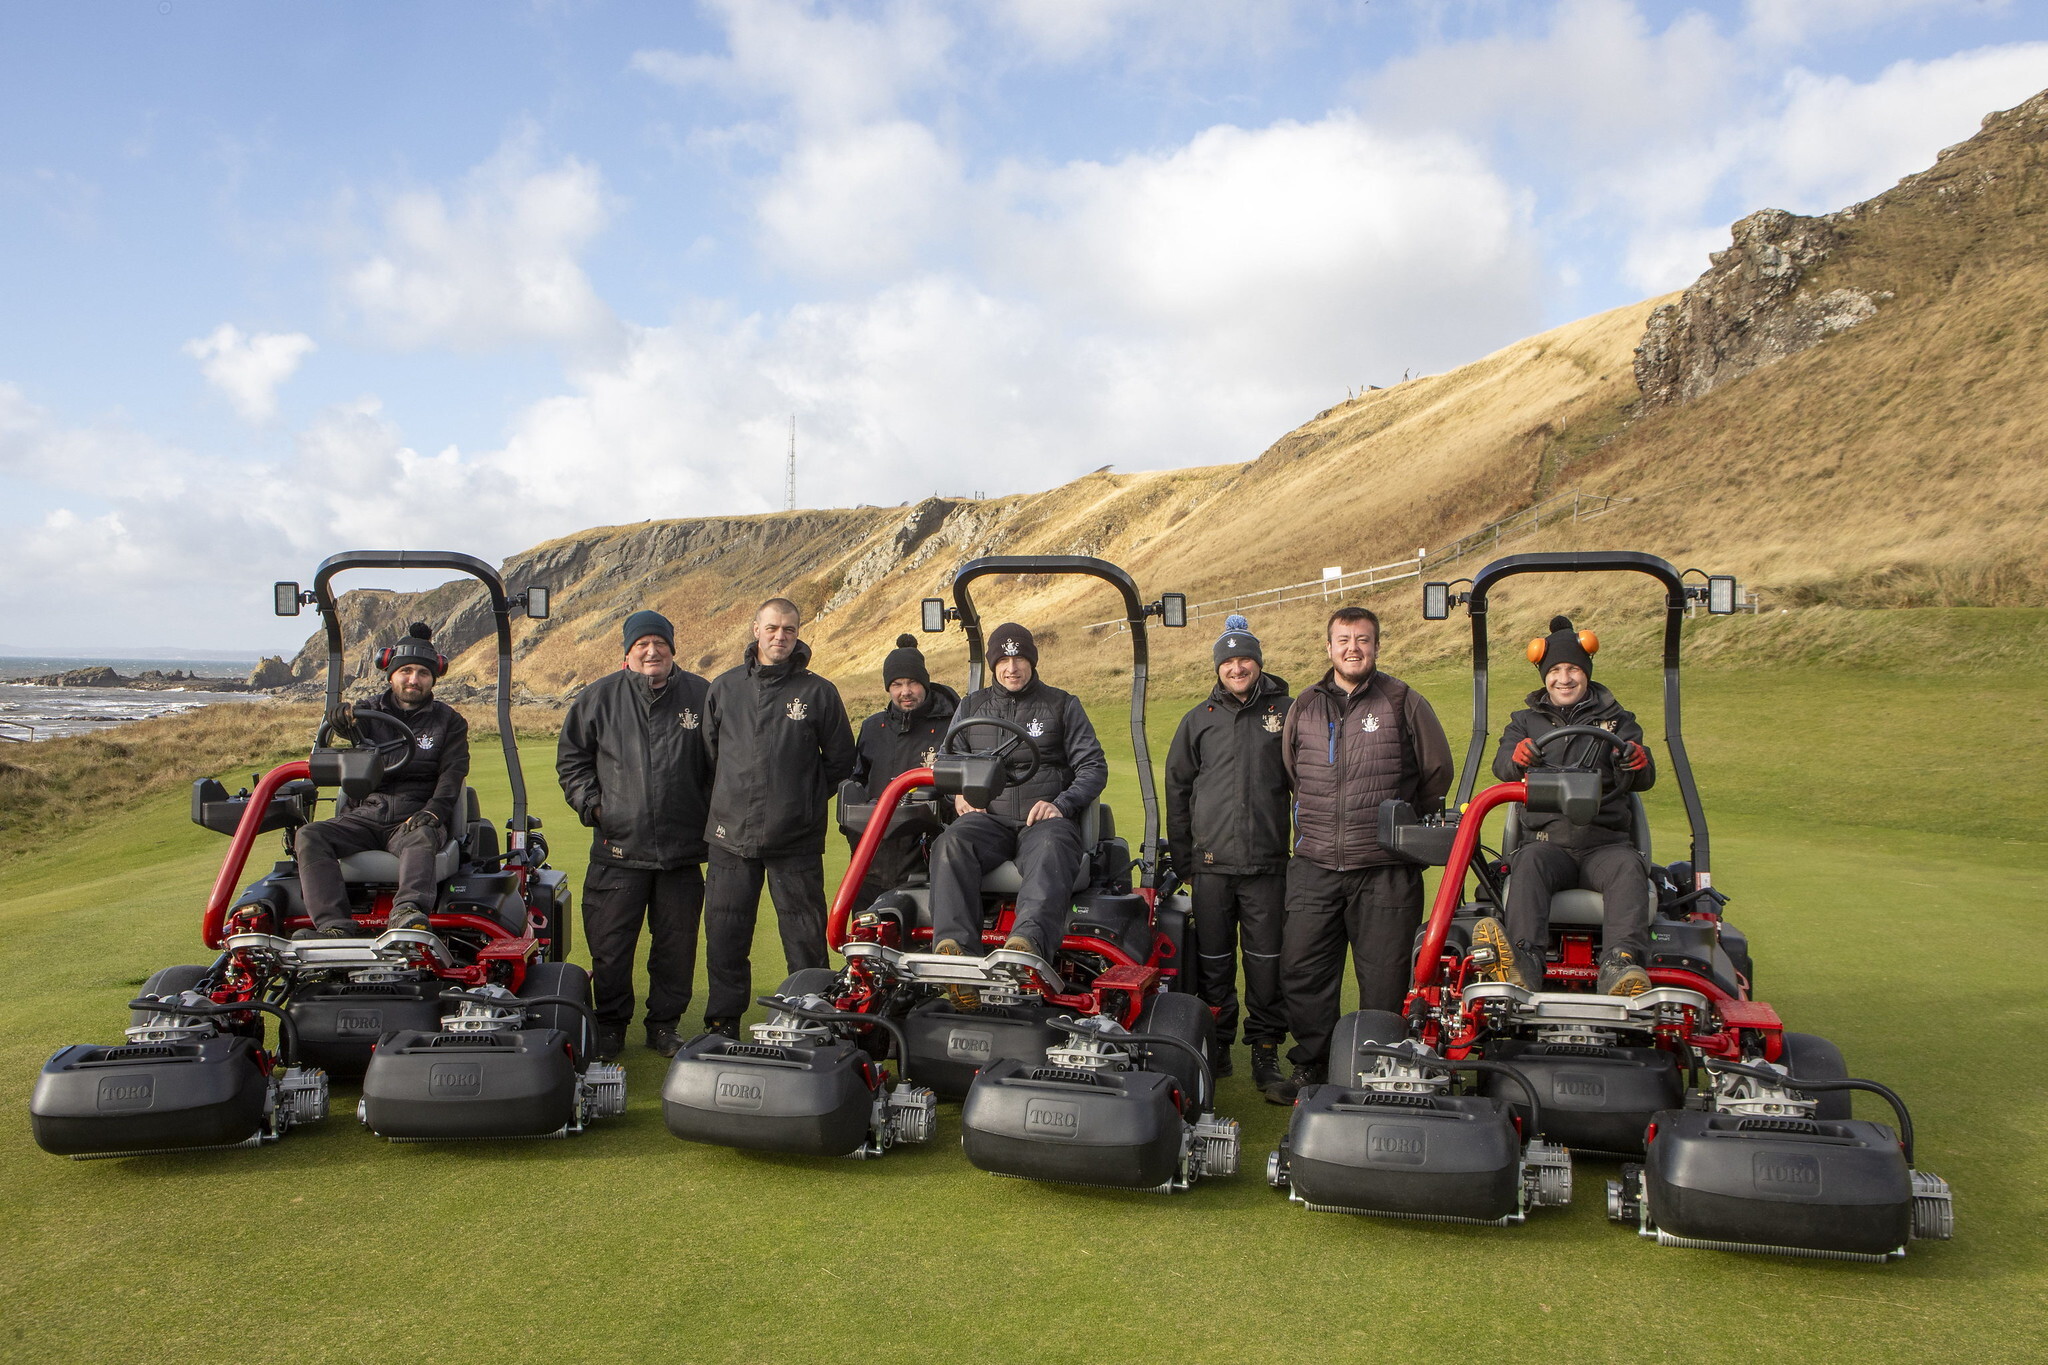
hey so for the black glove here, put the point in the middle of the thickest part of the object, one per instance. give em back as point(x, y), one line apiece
point(344, 722)
point(425, 819)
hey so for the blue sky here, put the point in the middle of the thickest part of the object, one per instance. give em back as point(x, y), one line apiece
point(281, 279)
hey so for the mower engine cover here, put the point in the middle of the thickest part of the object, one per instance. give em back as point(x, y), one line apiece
point(1451, 1158)
point(431, 1086)
point(1118, 1128)
point(141, 1097)
point(812, 1099)
point(948, 1047)
point(1595, 1097)
point(1779, 1183)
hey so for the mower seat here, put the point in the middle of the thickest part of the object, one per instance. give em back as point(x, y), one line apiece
point(1577, 908)
point(377, 867)
point(1004, 880)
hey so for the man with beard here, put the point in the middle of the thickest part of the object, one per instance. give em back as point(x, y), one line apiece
point(1356, 738)
point(412, 813)
point(1556, 855)
point(903, 735)
point(780, 742)
point(1227, 825)
point(635, 768)
point(1034, 823)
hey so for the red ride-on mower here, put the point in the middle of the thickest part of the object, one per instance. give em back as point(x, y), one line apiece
point(1092, 1067)
point(473, 1027)
point(1744, 1129)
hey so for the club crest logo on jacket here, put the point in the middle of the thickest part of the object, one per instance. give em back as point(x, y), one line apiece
point(688, 719)
point(1370, 723)
point(797, 710)
point(1272, 723)
point(927, 758)
point(424, 741)
point(1035, 728)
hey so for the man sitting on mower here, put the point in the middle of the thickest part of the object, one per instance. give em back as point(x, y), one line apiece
point(412, 811)
point(1556, 855)
point(1034, 823)
point(903, 735)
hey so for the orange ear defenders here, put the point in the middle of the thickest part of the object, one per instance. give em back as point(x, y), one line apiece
point(1588, 641)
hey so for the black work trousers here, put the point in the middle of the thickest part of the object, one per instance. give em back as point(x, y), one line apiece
point(615, 901)
point(1250, 912)
point(1048, 857)
point(320, 847)
point(1538, 871)
point(1374, 910)
point(732, 901)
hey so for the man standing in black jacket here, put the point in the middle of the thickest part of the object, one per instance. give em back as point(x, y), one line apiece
point(1227, 826)
point(779, 737)
point(1556, 855)
point(903, 735)
point(412, 813)
point(1352, 740)
point(1035, 822)
point(634, 767)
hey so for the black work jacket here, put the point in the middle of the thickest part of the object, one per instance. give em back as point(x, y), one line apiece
point(1538, 718)
point(1227, 803)
point(893, 741)
point(781, 745)
point(1072, 769)
point(635, 768)
point(432, 776)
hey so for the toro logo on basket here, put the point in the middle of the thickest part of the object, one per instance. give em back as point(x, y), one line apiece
point(359, 1021)
point(1051, 1118)
point(127, 1092)
point(967, 1045)
point(1400, 1143)
point(737, 1092)
point(1579, 1085)
point(1778, 1173)
point(455, 1078)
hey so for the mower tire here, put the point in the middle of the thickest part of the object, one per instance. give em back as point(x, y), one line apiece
point(167, 981)
point(1813, 1057)
point(1177, 1015)
point(565, 979)
point(1361, 1026)
point(809, 981)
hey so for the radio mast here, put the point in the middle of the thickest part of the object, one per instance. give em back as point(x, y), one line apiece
point(789, 495)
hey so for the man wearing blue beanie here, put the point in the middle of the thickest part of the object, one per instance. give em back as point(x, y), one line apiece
point(1227, 826)
point(634, 767)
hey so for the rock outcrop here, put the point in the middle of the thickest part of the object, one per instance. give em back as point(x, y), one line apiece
point(270, 673)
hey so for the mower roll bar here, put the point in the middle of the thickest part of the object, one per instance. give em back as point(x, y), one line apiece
point(1135, 612)
point(1593, 561)
point(501, 612)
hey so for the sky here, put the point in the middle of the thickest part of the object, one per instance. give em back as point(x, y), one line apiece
point(278, 280)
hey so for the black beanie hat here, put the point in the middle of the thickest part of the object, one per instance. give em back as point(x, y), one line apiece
point(1564, 645)
point(649, 623)
point(1237, 642)
point(905, 661)
point(416, 646)
point(1010, 640)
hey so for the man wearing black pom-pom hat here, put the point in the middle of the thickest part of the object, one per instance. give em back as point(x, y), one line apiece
point(903, 735)
point(1557, 855)
point(412, 813)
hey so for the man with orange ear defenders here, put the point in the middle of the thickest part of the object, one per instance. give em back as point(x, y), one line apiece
point(1556, 855)
point(412, 813)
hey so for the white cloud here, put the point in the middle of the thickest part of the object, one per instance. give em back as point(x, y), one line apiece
point(248, 369)
point(497, 265)
point(860, 202)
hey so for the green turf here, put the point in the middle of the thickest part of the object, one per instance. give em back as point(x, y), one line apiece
point(1879, 834)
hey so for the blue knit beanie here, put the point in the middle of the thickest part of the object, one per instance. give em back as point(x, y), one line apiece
point(1238, 642)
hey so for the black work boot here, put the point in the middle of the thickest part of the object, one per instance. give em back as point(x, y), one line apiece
point(730, 1028)
point(1289, 1090)
point(664, 1039)
point(1265, 1067)
point(1621, 974)
point(611, 1041)
point(1499, 960)
point(1220, 1064)
point(407, 917)
point(333, 931)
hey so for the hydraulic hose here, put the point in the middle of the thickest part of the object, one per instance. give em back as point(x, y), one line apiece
point(1469, 1064)
point(1886, 1093)
point(1208, 1092)
point(836, 1016)
point(287, 1031)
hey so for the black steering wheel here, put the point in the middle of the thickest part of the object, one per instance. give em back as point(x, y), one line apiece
point(1017, 767)
point(397, 750)
point(1567, 733)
